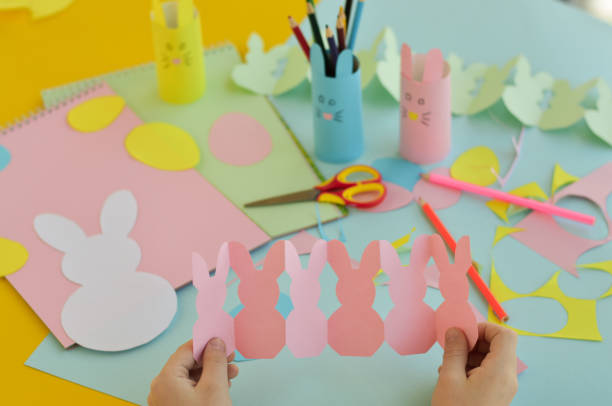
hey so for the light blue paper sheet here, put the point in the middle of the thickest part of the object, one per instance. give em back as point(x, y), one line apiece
point(555, 38)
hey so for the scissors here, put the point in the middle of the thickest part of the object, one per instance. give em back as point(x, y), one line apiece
point(368, 191)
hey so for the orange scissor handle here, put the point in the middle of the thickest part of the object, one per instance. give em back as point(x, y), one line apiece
point(362, 195)
point(341, 180)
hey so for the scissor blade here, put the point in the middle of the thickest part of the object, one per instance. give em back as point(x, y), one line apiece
point(302, 196)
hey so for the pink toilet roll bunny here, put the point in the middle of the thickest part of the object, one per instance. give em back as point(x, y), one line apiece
point(425, 106)
point(410, 325)
point(306, 326)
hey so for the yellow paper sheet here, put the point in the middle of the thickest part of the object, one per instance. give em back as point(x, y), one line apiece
point(581, 313)
point(605, 266)
point(13, 256)
point(95, 114)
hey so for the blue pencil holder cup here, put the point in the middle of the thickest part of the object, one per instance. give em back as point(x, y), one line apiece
point(337, 108)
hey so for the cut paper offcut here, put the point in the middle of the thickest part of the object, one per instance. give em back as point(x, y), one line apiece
point(581, 313)
point(239, 139)
point(118, 306)
point(468, 97)
point(5, 157)
point(398, 171)
point(39, 9)
point(605, 266)
point(600, 120)
point(368, 59)
point(525, 98)
point(474, 166)
point(561, 178)
point(396, 198)
point(455, 311)
point(13, 256)
point(502, 231)
point(163, 146)
point(503, 209)
point(438, 197)
point(95, 114)
point(388, 68)
point(212, 321)
point(280, 69)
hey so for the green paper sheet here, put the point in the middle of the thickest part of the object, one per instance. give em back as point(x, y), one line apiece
point(600, 120)
point(368, 60)
point(284, 170)
point(388, 69)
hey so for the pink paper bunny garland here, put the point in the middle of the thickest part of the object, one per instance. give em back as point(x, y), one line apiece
point(355, 328)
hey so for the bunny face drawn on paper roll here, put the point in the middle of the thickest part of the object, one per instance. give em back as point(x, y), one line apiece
point(116, 308)
point(337, 108)
point(425, 107)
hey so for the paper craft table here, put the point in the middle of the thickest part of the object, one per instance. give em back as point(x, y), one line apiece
point(556, 39)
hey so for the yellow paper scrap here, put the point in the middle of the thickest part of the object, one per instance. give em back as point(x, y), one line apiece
point(605, 266)
point(397, 244)
point(474, 166)
point(13, 256)
point(561, 178)
point(503, 231)
point(581, 313)
point(95, 114)
point(503, 209)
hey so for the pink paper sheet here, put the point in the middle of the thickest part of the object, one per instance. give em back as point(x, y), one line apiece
point(55, 169)
point(438, 197)
point(355, 329)
point(259, 327)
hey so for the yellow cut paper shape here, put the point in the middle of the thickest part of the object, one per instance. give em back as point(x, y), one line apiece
point(502, 231)
point(502, 209)
point(13, 256)
point(581, 313)
point(179, 57)
point(561, 178)
point(163, 146)
point(605, 266)
point(397, 244)
point(474, 166)
point(95, 114)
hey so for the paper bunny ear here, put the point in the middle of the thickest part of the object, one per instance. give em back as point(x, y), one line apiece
point(318, 257)
point(420, 254)
point(223, 263)
point(119, 214)
point(338, 258)
point(406, 61)
point(344, 64)
point(199, 269)
point(439, 253)
point(292, 260)
point(434, 66)
point(274, 264)
point(370, 260)
point(389, 260)
point(241, 260)
point(59, 232)
point(463, 257)
point(317, 62)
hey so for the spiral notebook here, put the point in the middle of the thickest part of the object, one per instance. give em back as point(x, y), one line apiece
point(241, 177)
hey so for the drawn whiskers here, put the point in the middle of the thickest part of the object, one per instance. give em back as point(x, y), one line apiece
point(338, 116)
point(425, 119)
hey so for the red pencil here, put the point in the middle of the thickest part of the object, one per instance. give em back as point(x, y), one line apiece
point(300, 37)
point(340, 30)
point(450, 241)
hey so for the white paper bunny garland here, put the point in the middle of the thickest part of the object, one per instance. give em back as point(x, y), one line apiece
point(116, 308)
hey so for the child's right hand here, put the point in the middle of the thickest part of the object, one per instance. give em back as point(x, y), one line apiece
point(485, 376)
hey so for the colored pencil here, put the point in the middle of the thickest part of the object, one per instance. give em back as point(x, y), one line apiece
point(342, 16)
point(474, 275)
point(341, 37)
point(355, 27)
point(348, 7)
point(333, 50)
point(510, 198)
point(316, 33)
point(300, 37)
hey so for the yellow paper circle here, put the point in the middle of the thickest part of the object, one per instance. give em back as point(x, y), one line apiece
point(13, 256)
point(474, 166)
point(163, 146)
point(95, 114)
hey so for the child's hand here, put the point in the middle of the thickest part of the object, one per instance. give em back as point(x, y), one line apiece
point(182, 382)
point(484, 376)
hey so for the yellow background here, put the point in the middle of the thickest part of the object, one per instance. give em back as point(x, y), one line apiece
point(89, 38)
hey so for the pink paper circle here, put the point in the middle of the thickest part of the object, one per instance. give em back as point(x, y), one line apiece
point(238, 139)
point(438, 197)
point(397, 197)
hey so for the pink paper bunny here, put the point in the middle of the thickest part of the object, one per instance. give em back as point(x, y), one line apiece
point(455, 311)
point(306, 329)
point(355, 329)
point(212, 321)
point(259, 327)
point(425, 104)
point(410, 325)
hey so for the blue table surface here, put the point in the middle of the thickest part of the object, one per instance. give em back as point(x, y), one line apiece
point(555, 38)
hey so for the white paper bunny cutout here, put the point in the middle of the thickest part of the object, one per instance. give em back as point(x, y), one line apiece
point(116, 308)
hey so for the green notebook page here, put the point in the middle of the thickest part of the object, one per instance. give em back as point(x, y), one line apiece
point(286, 169)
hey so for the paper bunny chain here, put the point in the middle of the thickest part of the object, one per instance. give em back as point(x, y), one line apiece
point(355, 328)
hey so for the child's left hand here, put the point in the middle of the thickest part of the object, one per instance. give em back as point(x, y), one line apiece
point(182, 382)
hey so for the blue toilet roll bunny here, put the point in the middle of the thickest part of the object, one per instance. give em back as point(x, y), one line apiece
point(337, 108)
